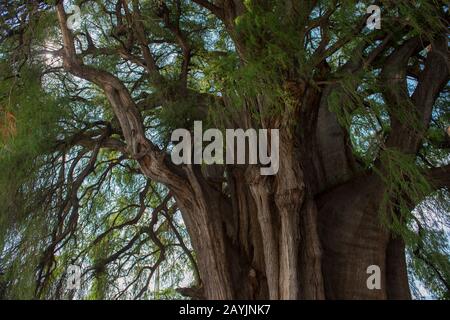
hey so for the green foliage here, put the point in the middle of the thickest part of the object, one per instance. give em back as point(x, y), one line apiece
point(276, 53)
point(405, 184)
point(23, 178)
point(22, 153)
point(429, 250)
point(422, 229)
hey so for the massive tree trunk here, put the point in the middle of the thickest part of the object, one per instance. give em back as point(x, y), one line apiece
point(291, 245)
point(310, 232)
point(282, 243)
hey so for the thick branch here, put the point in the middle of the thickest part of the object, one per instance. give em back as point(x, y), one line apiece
point(440, 177)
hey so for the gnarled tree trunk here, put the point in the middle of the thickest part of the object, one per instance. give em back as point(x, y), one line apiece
point(309, 232)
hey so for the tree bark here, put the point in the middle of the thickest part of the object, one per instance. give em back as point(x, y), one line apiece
point(275, 242)
point(310, 232)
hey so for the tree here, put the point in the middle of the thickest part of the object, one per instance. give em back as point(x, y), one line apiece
point(362, 116)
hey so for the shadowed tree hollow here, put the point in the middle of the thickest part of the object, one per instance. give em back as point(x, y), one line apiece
point(92, 90)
